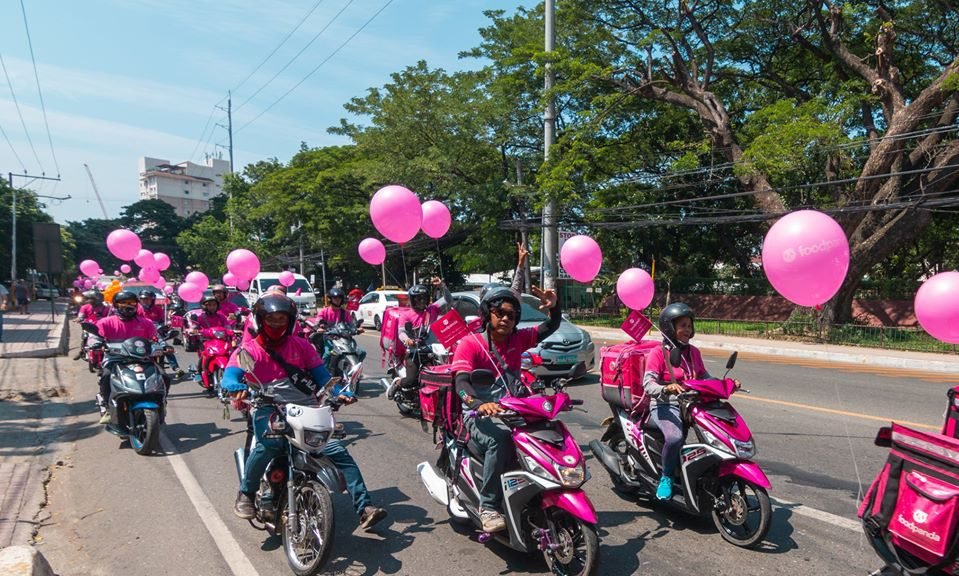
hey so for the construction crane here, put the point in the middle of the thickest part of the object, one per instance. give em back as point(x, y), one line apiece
point(97, 192)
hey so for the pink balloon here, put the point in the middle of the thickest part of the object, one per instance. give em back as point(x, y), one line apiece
point(436, 219)
point(116, 272)
point(89, 267)
point(937, 306)
point(229, 279)
point(144, 259)
point(286, 278)
point(242, 284)
point(372, 251)
point(243, 263)
point(805, 257)
point(190, 292)
point(168, 289)
point(396, 213)
point(198, 278)
point(88, 284)
point(635, 288)
point(581, 258)
point(149, 275)
point(124, 244)
point(125, 268)
point(161, 261)
point(159, 284)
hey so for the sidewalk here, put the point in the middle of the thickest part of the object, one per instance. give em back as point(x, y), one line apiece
point(38, 334)
point(878, 357)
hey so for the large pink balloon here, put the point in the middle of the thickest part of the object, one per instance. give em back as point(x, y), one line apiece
point(198, 278)
point(805, 257)
point(190, 292)
point(286, 278)
point(161, 260)
point(581, 258)
point(123, 244)
point(635, 288)
point(372, 251)
point(144, 259)
point(229, 279)
point(125, 268)
point(242, 284)
point(149, 275)
point(937, 306)
point(88, 284)
point(243, 263)
point(436, 219)
point(159, 284)
point(396, 213)
point(90, 268)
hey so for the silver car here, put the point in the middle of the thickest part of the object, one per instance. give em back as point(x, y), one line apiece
point(567, 346)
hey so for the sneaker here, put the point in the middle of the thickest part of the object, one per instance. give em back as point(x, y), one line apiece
point(394, 386)
point(492, 521)
point(370, 516)
point(105, 418)
point(243, 507)
point(198, 379)
point(665, 489)
point(179, 373)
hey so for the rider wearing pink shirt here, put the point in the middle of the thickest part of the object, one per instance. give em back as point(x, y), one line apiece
point(221, 294)
point(126, 324)
point(93, 308)
point(149, 309)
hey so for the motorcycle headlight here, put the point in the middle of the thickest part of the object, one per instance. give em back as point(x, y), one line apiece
point(745, 449)
point(315, 439)
point(571, 476)
point(711, 439)
point(535, 468)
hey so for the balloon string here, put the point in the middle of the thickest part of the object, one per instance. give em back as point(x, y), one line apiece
point(406, 277)
point(439, 256)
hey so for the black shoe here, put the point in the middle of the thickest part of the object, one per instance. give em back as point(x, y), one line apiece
point(370, 516)
point(244, 506)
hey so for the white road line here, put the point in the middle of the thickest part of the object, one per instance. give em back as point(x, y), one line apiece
point(229, 548)
point(815, 514)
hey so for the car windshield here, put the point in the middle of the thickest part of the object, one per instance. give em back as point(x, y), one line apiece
point(298, 284)
point(235, 297)
point(531, 312)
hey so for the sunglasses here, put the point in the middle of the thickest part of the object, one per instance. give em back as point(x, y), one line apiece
point(511, 315)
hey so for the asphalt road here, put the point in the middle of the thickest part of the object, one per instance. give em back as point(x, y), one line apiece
point(113, 512)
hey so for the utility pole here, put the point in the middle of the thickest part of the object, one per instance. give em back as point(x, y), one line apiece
point(229, 122)
point(13, 216)
point(524, 231)
point(550, 265)
point(299, 226)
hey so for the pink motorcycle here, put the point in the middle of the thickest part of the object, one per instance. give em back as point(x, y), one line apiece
point(546, 508)
point(716, 475)
point(218, 344)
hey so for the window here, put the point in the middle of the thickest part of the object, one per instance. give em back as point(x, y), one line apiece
point(186, 191)
point(465, 307)
point(369, 298)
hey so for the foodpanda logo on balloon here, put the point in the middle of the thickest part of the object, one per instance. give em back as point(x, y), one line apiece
point(789, 255)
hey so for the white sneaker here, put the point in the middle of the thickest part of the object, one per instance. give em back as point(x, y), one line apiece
point(492, 521)
point(394, 386)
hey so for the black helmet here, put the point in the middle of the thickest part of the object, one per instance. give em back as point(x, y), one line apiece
point(92, 296)
point(130, 299)
point(336, 292)
point(147, 294)
point(487, 287)
point(496, 296)
point(209, 298)
point(270, 303)
point(670, 314)
point(419, 293)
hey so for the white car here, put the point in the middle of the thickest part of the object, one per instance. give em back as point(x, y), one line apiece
point(372, 305)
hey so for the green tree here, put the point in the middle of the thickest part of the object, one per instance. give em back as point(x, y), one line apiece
point(29, 211)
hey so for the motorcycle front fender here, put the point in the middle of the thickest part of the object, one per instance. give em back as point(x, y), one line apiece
point(144, 405)
point(324, 471)
point(218, 362)
point(573, 501)
point(749, 471)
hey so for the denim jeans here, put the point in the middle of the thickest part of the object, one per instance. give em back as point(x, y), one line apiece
point(496, 443)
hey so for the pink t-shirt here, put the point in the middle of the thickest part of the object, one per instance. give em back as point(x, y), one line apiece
point(115, 329)
point(204, 320)
point(153, 313)
point(89, 313)
point(227, 308)
point(473, 353)
point(692, 366)
point(294, 350)
point(331, 315)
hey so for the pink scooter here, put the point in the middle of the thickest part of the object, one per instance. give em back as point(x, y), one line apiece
point(545, 505)
point(716, 474)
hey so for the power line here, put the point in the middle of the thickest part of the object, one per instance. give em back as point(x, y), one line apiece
point(12, 149)
point(203, 133)
point(320, 65)
point(20, 114)
point(40, 92)
point(270, 55)
point(297, 55)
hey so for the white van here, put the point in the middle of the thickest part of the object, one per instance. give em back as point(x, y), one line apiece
point(305, 300)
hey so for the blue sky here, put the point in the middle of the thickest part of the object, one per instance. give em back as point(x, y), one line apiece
point(128, 78)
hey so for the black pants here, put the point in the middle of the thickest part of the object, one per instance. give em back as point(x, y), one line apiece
point(105, 385)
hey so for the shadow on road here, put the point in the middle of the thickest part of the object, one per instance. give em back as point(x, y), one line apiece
point(187, 437)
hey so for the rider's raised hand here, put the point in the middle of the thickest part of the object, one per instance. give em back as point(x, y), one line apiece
point(547, 298)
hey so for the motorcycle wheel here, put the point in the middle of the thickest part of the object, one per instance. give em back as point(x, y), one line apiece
point(376, 322)
point(747, 515)
point(144, 430)
point(91, 367)
point(619, 445)
point(308, 544)
point(578, 551)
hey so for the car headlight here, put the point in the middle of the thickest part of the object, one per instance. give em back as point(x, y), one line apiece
point(315, 439)
point(586, 337)
point(745, 449)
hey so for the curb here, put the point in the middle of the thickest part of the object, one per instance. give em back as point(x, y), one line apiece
point(23, 561)
point(878, 358)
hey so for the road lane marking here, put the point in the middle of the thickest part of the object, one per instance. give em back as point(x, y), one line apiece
point(838, 412)
point(803, 510)
point(229, 548)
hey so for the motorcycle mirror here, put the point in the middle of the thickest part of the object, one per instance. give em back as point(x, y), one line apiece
point(482, 377)
point(675, 357)
point(577, 371)
point(732, 360)
point(90, 328)
point(884, 437)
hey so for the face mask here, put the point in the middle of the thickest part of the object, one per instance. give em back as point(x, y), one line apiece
point(274, 333)
point(126, 312)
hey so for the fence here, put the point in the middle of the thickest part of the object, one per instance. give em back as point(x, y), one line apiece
point(887, 337)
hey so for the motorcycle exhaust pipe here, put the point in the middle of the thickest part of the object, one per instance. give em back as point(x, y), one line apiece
point(606, 456)
point(239, 459)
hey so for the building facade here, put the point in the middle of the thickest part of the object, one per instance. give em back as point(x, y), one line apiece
point(186, 186)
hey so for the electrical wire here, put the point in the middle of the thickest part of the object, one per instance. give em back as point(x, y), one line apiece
point(36, 75)
point(297, 55)
point(20, 114)
point(12, 149)
point(320, 65)
point(203, 133)
point(278, 46)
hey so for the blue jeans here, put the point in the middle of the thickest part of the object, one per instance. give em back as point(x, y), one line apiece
point(267, 449)
point(667, 419)
point(496, 443)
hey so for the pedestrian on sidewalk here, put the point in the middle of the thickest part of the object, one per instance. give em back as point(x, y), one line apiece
point(22, 295)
